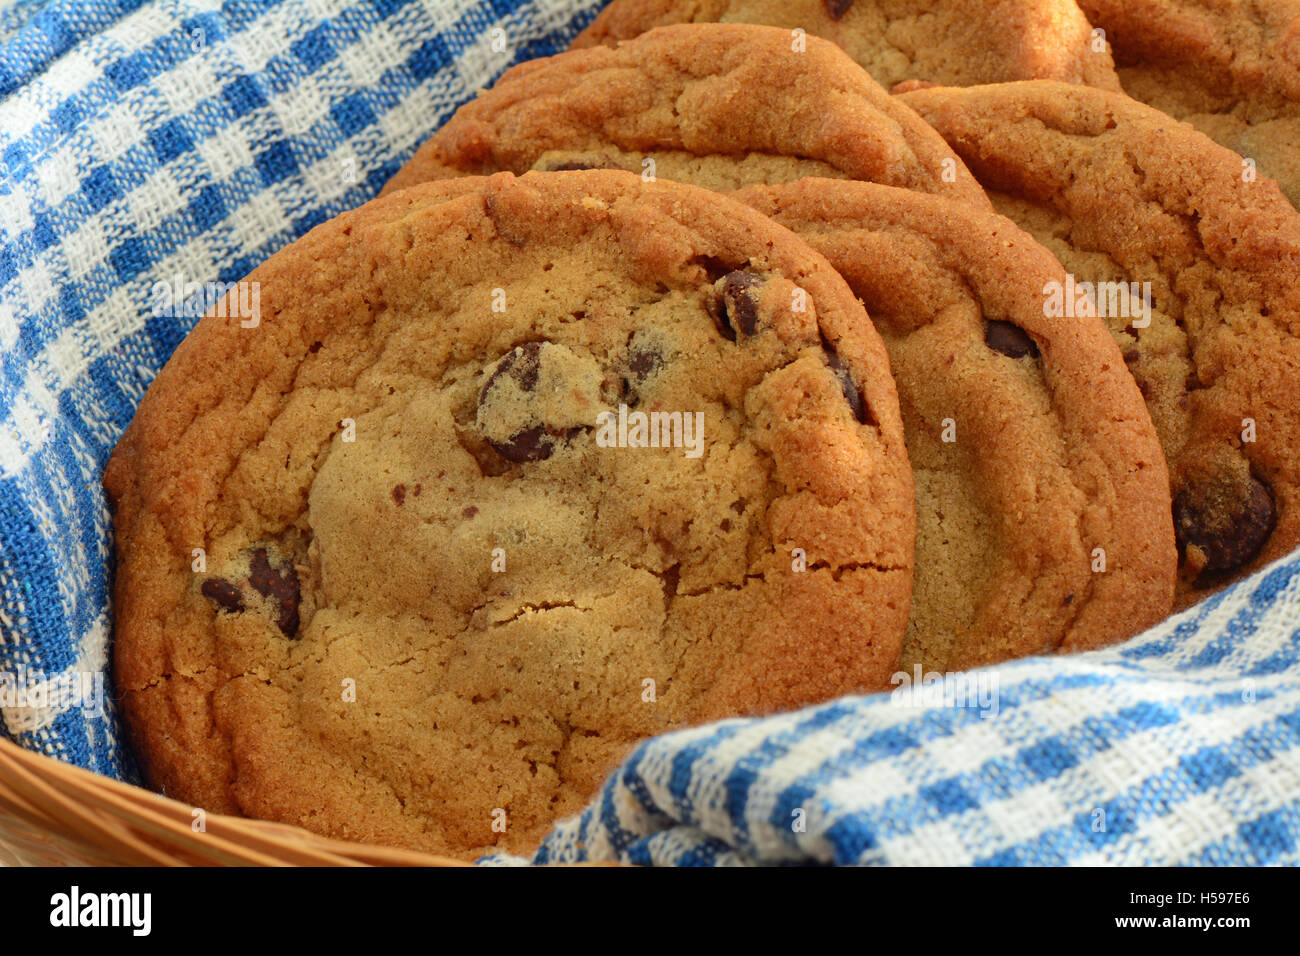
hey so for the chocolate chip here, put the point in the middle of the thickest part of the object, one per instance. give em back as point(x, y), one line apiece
point(399, 494)
point(315, 347)
point(521, 364)
point(1226, 521)
point(642, 363)
point(836, 8)
point(558, 165)
point(735, 304)
point(469, 512)
point(226, 595)
point(1009, 339)
point(281, 586)
point(670, 579)
point(714, 267)
point(847, 385)
point(532, 444)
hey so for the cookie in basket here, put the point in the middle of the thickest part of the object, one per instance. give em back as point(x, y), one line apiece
point(1043, 516)
point(1192, 260)
point(508, 475)
point(721, 106)
point(953, 43)
point(1231, 68)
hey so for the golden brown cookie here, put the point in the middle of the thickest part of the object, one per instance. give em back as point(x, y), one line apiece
point(1193, 264)
point(717, 106)
point(1231, 68)
point(952, 42)
point(1042, 496)
point(509, 475)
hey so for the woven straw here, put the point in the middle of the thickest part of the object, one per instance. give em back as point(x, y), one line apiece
point(54, 814)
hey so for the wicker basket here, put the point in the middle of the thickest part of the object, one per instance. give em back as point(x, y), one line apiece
point(54, 814)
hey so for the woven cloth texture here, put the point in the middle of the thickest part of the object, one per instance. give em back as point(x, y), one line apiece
point(139, 142)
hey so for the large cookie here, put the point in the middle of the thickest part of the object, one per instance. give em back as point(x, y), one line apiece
point(1124, 194)
point(717, 106)
point(952, 42)
point(1231, 68)
point(1042, 496)
point(389, 569)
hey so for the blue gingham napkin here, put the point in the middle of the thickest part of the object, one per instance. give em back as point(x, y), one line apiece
point(1180, 747)
point(141, 141)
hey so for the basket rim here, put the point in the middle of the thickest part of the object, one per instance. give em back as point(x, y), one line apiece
point(134, 826)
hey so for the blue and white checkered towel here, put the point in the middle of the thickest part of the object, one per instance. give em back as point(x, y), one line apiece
point(139, 141)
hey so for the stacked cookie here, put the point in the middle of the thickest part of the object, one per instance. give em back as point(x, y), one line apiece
point(697, 375)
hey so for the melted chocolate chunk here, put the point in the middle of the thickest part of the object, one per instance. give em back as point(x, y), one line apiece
point(836, 8)
point(521, 364)
point(532, 444)
point(847, 385)
point(1009, 339)
point(735, 307)
point(224, 594)
point(281, 586)
point(570, 165)
point(1226, 522)
point(643, 363)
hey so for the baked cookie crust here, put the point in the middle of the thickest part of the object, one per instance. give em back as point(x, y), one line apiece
point(1043, 512)
point(719, 106)
point(430, 597)
point(950, 43)
point(1122, 193)
point(1231, 68)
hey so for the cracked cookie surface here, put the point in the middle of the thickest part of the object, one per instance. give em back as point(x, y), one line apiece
point(1122, 193)
point(1231, 68)
point(1029, 441)
point(720, 106)
point(952, 43)
point(429, 590)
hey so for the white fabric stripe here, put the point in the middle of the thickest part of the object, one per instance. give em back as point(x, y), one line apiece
point(806, 755)
point(1104, 776)
point(57, 379)
point(92, 660)
point(1205, 818)
point(968, 749)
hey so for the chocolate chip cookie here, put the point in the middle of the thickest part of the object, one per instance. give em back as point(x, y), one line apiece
point(1043, 513)
point(1192, 261)
point(1231, 68)
point(508, 475)
point(720, 106)
point(952, 42)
